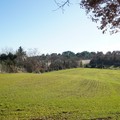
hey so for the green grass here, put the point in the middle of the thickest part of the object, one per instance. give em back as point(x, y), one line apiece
point(75, 94)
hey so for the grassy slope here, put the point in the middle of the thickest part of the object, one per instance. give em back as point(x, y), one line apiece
point(69, 94)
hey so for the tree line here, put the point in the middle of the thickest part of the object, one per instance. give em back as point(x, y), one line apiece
point(110, 59)
point(20, 61)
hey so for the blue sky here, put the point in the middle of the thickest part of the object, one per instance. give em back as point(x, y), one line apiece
point(35, 24)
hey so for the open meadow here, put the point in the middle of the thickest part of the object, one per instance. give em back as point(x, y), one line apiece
point(74, 94)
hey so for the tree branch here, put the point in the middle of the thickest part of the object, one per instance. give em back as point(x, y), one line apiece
point(62, 4)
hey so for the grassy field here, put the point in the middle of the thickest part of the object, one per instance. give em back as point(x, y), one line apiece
point(75, 94)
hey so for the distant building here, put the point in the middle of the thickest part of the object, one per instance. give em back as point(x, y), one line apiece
point(82, 63)
point(85, 62)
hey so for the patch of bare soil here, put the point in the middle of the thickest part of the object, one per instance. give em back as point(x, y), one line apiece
point(106, 118)
point(60, 116)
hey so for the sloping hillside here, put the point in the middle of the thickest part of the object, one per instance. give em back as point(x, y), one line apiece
point(75, 94)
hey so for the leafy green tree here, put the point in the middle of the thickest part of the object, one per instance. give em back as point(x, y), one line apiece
point(69, 59)
point(21, 56)
point(8, 62)
point(68, 54)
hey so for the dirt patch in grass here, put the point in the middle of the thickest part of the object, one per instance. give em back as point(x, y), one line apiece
point(64, 115)
point(105, 118)
point(19, 109)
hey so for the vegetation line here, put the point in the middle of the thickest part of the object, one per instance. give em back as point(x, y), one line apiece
point(20, 61)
